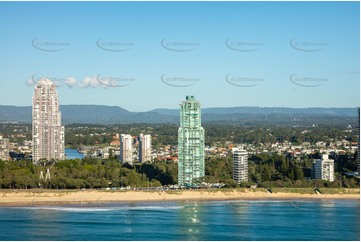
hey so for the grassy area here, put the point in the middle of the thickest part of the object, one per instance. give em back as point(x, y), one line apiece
point(323, 190)
point(340, 190)
point(175, 192)
point(294, 190)
point(38, 190)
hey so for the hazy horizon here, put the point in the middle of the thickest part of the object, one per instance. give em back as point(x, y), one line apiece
point(176, 107)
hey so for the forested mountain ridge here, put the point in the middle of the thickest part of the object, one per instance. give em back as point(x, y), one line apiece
point(101, 114)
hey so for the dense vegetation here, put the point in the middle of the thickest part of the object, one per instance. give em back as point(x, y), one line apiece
point(79, 134)
point(264, 169)
point(85, 173)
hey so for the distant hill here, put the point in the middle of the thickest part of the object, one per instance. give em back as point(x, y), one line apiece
point(91, 113)
point(101, 114)
point(269, 110)
point(15, 113)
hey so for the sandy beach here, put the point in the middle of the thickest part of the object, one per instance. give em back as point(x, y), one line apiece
point(49, 197)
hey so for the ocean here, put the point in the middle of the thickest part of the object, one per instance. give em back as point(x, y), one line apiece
point(214, 220)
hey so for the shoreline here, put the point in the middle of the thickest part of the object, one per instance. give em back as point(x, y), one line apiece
point(16, 198)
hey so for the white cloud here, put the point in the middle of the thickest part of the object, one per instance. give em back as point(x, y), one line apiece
point(70, 82)
point(31, 81)
point(56, 82)
point(89, 82)
point(106, 81)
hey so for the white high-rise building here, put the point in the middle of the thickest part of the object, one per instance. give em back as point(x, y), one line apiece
point(4, 148)
point(48, 134)
point(145, 148)
point(240, 165)
point(126, 150)
point(323, 169)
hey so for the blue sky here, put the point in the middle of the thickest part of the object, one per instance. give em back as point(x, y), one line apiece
point(145, 55)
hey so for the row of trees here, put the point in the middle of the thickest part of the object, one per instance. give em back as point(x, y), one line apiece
point(264, 169)
point(71, 174)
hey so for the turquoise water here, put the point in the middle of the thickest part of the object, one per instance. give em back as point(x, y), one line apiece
point(222, 220)
point(73, 154)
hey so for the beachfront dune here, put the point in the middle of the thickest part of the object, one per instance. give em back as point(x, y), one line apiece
point(48, 197)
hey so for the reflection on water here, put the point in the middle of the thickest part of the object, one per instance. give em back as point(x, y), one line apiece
point(327, 204)
point(239, 207)
point(190, 222)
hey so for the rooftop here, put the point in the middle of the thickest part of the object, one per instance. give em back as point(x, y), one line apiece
point(45, 82)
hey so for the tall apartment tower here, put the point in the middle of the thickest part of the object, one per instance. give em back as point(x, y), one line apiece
point(145, 145)
point(240, 165)
point(323, 169)
point(126, 151)
point(48, 134)
point(4, 148)
point(190, 143)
